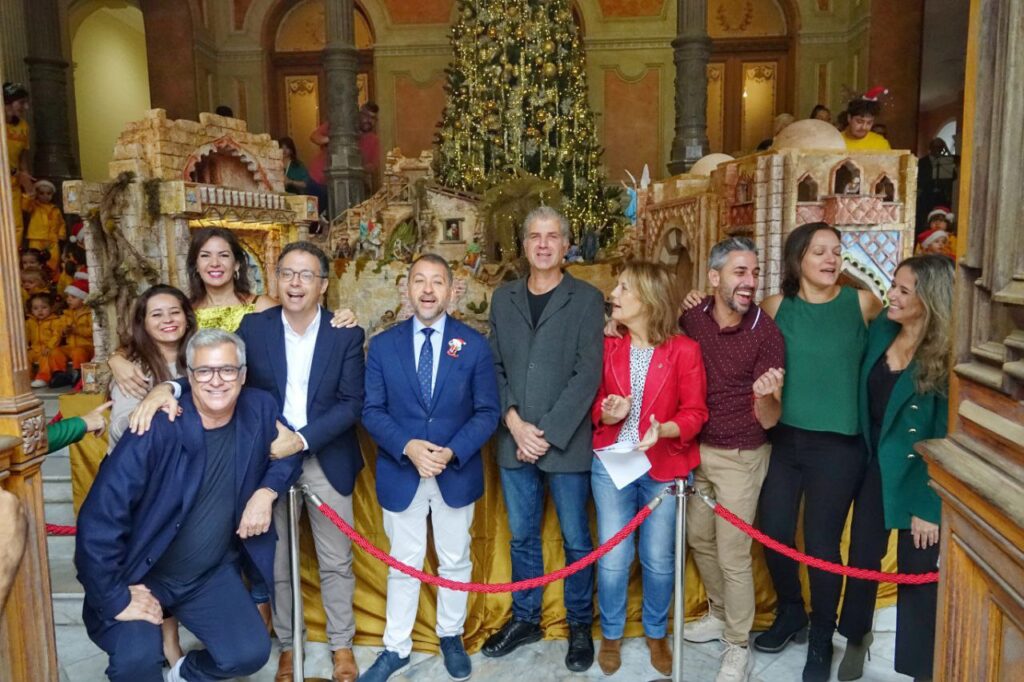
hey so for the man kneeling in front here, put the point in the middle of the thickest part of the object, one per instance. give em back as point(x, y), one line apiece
point(168, 518)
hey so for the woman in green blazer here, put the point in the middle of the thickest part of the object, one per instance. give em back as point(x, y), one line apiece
point(903, 400)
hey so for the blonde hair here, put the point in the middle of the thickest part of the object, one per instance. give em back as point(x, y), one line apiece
point(656, 289)
point(934, 288)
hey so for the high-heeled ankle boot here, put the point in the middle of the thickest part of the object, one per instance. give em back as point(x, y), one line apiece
point(819, 653)
point(852, 665)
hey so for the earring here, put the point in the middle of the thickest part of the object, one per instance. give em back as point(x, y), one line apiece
point(236, 274)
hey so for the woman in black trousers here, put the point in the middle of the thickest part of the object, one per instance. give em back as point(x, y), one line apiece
point(904, 400)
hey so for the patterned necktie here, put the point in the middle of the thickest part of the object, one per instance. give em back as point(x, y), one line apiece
point(425, 369)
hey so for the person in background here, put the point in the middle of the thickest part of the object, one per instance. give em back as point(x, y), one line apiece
point(224, 110)
point(46, 227)
point(936, 174)
point(651, 397)
point(940, 237)
point(77, 320)
point(818, 453)
point(34, 281)
point(16, 106)
point(296, 177)
point(744, 355)
point(858, 135)
point(317, 167)
point(546, 338)
point(43, 331)
point(369, 146)
point(65, 432)
point(903, 399)
point(822, 113)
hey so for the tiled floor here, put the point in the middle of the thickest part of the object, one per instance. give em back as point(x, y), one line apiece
point(81, 661)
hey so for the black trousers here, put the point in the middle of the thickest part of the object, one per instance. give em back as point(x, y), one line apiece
point(869, 538)
point(825, 469)
point(915, 609)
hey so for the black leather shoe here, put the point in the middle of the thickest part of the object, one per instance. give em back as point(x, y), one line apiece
point(581, 648)
point(790, 624)
point(819, 654)
point(511, 636)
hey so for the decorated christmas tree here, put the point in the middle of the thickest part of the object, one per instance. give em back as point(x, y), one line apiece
point(517, 102)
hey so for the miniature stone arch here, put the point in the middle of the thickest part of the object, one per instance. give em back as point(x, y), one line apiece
point(846, 178)
point(225, 163)
point(807, 189)
point(885, 188)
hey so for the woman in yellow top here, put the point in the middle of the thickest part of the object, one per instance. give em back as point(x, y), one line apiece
point(15, 108)
point(861, 114)
point(46, 222)
point(221, 295)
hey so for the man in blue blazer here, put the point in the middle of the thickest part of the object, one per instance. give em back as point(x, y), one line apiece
point(158, 528)
point(431, 404)
point(315, 373)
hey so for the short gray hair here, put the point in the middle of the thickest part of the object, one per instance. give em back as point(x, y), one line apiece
point(208, 338)
point(436, 260)
point(546, 213)
point(720, 251)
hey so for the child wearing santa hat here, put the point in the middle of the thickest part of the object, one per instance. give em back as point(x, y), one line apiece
point(77, 323)
point(940, 237)
point(46, 223)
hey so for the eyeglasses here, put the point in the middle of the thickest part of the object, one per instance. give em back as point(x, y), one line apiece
point(305, 276)
point(228, 373)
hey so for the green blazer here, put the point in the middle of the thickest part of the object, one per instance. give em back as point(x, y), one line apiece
point(909, 418)
point(65, 432)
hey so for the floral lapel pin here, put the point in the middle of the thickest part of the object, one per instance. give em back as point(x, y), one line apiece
point(455, 347)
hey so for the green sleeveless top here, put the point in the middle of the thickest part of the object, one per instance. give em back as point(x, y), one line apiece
point(825, 343)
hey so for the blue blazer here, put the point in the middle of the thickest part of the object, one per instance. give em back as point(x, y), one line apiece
point(462, 414)
point(145, 489)
point(335, 395)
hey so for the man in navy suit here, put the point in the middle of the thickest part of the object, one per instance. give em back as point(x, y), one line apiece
point(315, 373)
point(431, 404)
point(158, 528)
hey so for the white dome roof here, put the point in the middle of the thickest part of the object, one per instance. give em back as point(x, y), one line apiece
point(708, 163)
point(810, 133)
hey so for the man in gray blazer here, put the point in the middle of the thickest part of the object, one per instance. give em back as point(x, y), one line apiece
point(546, 335)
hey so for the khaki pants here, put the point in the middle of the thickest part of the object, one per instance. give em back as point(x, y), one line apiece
point(721, 552)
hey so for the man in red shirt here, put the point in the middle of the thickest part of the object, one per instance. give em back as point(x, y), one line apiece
point(744, 356)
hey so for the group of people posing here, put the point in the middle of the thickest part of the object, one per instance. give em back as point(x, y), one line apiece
point(818, 394)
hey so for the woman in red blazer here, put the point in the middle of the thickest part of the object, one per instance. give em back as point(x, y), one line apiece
point(652, 395)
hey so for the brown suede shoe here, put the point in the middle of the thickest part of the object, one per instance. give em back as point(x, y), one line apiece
point(284, 667)
point(609, 656)
point(661, 655)
point(345, 668)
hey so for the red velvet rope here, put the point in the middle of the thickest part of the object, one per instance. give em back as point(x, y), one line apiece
point(54, 529)
point(489, 588)
point(848, 571)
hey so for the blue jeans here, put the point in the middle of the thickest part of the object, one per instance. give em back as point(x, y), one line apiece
point(523, 489)
point(615, 508)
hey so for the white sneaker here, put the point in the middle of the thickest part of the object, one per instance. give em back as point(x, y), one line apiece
point(38, 383)
point(174, 674)
point(708, 629)
point(737, 663)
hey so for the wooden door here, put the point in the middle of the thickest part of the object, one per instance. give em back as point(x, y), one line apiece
point(746, 90)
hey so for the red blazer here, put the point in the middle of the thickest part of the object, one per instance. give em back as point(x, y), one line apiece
point(675, 390)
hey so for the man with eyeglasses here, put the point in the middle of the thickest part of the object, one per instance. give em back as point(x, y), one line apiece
point(169, 519)
point(315, 372)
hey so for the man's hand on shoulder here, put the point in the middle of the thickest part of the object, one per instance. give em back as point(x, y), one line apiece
point(143, 606)
point(429, 459)
point(160, 398)
point(257, 514)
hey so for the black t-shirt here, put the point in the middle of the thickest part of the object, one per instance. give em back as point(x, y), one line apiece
point(207, 536)
point(537, 304)
point(881, 381)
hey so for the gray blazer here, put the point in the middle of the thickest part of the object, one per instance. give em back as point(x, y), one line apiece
point(550, 373)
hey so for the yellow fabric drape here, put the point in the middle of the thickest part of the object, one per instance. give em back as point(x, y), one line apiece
point(490, 554)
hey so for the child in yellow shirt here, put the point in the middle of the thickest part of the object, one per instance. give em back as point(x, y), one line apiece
point(43, 330)
point(15, 109)
point(46, 223)
point(77, 324)
point(33, 281)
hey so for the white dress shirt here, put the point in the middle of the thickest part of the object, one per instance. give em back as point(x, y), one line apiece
point(298, 353)
point(436, 339)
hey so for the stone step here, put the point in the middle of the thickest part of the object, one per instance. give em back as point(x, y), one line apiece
point(56, 489)
point(67, 608)
point(61, 551)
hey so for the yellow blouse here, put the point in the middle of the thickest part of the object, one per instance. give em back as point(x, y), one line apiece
point(226, 317)
point(17, 142)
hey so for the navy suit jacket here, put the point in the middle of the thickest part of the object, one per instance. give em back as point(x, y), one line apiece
point(462, 414)
point(145, 489)
point(335, 395)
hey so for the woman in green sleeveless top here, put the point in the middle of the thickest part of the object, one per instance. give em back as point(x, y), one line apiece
point(817, 449)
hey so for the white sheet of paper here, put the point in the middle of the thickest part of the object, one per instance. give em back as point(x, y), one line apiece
point(624, 463)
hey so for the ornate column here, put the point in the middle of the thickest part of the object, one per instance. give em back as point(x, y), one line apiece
point(48, 85)
point(344, 164)
point(28, 649)
point(692, 48)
